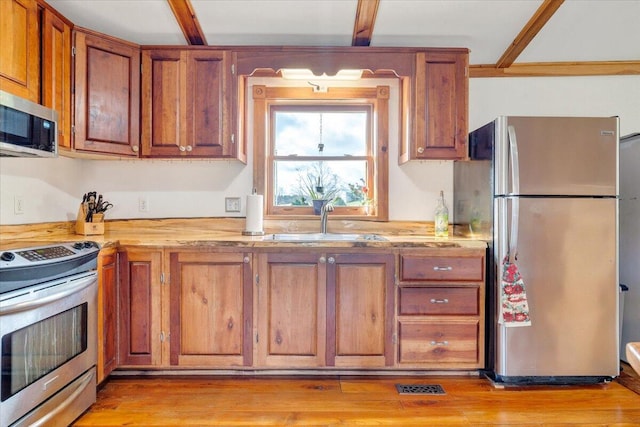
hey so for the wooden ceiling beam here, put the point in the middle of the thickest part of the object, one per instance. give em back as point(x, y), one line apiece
point(535, 24)
point(188, 21)
point(365, 20)
point(558, 69)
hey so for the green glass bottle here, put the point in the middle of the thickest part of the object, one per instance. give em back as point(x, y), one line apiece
point(442, 217)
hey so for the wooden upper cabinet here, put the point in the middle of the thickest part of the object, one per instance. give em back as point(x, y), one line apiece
point(107, 93)
point(20, 48)
point(440, 107)
point(56, 72)
point(187, 103)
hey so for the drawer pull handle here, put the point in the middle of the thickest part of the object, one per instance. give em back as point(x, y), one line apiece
point(439, 301)
point(439, 342)
point(448, 268)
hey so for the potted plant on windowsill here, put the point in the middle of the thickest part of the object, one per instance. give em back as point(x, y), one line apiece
point(320, 185)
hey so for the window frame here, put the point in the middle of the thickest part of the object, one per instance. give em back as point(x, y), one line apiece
point(267, 99)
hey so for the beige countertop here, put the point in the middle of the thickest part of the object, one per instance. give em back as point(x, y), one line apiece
point(227, 232)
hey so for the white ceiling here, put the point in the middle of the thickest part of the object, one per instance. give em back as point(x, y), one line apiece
point(581, 30)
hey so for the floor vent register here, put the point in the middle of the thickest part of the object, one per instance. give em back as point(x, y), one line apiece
point(419, 389)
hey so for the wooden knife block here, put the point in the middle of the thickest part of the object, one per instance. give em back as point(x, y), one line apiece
point(89, 228)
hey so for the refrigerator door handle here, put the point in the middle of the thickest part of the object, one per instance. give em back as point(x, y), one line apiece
point(515, 192)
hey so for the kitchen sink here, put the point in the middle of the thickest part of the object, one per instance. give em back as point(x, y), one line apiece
point(324, 237)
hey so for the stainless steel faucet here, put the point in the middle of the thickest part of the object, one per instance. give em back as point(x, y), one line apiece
point(324, 214)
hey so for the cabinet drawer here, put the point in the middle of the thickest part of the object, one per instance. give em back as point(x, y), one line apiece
point(439, 342)
point(439, 300)
point(420, 268)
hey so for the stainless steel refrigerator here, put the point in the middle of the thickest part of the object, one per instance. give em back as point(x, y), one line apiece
point(545, 189)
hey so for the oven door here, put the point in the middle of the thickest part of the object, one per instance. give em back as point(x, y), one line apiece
point(48, 340)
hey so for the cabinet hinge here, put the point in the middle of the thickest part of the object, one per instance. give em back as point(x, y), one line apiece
point(233, 68)
point(161, 336)
point(257, 279)
point(141, 68)
point(394, 339)
point(73, 129)
point(162, 278)
point(73, 51)
point(233, 138)
point(256, 337)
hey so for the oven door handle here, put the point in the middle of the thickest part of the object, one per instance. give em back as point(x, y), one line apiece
point(67, 290)
point(84, 383)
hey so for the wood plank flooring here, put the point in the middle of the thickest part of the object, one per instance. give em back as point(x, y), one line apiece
point(342, 401)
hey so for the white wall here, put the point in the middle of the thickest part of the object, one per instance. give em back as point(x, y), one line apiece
point(52, 188)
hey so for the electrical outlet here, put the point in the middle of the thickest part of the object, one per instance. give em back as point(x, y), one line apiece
point(232, 204)
point(143, 204)
point(18, 205)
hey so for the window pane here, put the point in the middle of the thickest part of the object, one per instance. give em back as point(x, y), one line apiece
point(296, 182)
point(316, 133)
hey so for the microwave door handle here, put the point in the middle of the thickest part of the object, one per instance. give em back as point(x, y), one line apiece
point(515, 193)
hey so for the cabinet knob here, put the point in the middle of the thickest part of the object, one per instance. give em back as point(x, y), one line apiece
point(246, 260)
point(420, 150)
point(182, 148)
point(322, 260)
point(332, 260)
point(189, 148)
point(134, 148)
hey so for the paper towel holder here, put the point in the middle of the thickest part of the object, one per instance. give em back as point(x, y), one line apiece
point(253, 231)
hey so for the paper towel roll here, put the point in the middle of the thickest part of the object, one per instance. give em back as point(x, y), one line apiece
point(254, 215)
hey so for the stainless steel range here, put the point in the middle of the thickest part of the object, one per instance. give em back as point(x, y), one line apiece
point(48, 328)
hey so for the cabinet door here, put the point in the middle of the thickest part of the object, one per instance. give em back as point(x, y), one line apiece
point(186, 103)
point(139, 307)
point(107, 313)
point(207, 103)
point(291, 310)
point(56, 72)
point(441, 106)
point(107, 95)
point(20, 48)
point(211, 304)
point(360, 310)
point(162, 84)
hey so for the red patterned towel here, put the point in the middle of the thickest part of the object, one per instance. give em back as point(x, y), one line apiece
point(514, 309)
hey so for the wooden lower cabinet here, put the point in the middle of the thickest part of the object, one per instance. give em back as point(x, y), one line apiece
point(360, 306)
point(211, 300)
point(229, 308)
point(107, 313)
point(291, 324)
point(139, 307)
point(441, 294)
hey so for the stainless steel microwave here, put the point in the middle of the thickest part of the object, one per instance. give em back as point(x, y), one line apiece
point(27, 129)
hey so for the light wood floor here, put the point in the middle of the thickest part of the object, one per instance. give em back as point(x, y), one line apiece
point(339, 401)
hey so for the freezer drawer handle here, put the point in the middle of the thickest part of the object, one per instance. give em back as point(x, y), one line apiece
point(439, 342)
point(448, 268)
point(439, 301)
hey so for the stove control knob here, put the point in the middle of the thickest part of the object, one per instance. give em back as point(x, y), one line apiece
point(88, 244)
point(7, 256)
point(78, 245)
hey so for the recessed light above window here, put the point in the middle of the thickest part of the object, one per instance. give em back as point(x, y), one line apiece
point(306, 74)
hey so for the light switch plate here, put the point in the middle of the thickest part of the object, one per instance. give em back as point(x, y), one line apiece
point(232, 204)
